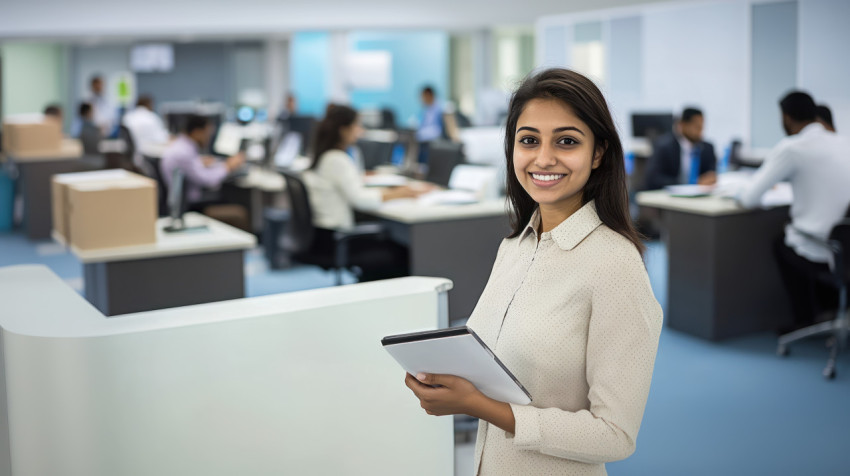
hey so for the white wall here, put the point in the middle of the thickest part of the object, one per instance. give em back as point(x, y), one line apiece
point(695, 55)
point(699, 53)
point(823, 56)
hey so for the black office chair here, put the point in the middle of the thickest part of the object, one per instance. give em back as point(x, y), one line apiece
point(300, 234)
point(129, 146)
point(387, 119)
point(375, 153)
point(838, 277)
point(443, 156)
point(162, 189)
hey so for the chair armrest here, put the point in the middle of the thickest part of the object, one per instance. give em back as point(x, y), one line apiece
point(342, 238)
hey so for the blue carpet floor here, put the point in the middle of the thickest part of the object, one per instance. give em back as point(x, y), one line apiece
point(730, 408)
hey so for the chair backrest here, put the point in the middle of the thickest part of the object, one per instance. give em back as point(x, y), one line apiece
point(443, 156)
point(387, 119)
point(841, 234)
point(162, 188)
point(375, 153)
point(300, 230)
point(125, 135)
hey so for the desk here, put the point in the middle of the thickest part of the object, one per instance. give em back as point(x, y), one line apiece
point(189, 267)
point(458, 242)
point(254, 191)
point(35, 172)
point(294, 384)
point(723, 279)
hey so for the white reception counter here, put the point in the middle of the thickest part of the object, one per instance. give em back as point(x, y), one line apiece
point(288, 384)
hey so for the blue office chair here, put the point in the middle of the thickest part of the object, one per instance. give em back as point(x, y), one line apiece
point(838, 277)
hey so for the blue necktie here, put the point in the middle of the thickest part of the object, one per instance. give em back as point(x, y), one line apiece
point(694, 172)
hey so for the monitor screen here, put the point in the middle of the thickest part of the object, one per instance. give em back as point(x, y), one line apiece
point(651, 126)
point(288, 150)
point(228, 140)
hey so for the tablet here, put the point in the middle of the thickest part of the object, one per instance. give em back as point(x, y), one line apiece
point(457, 351)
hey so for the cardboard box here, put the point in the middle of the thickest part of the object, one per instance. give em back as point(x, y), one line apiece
point(59, 195)
point(31, 135)
point(111, 213)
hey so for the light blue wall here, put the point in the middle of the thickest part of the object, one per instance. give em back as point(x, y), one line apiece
point(418, 59)
point(310, 71)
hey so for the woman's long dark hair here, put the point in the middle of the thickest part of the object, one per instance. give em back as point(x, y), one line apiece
point(328, 135)
point(607, 183)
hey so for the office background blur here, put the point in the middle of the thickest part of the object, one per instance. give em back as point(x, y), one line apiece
point(718, 406)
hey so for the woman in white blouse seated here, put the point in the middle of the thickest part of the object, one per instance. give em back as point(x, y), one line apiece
point(335, 189)
point(568, 307)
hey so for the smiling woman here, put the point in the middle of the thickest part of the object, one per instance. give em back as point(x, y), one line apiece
point(568, 307)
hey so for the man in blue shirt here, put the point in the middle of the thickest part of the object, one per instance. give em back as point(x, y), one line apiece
point(430, 123)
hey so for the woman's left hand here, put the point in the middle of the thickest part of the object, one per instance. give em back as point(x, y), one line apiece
point(453, 395)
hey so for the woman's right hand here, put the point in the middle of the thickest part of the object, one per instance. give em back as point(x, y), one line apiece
point(399, 192)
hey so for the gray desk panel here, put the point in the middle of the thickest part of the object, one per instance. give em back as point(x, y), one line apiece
point(461, 250)
point(123, 287)
point(723, 278)
point(36, 192)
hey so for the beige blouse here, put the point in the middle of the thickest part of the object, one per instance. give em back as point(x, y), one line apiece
point(574, 318)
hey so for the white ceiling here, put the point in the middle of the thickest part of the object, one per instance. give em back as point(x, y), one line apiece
point(197, 18)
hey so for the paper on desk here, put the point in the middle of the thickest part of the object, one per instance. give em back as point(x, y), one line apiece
point(448, 197)
point(689, 190)
point(384, 180)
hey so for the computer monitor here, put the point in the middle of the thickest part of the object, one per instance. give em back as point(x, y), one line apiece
point(650, 126)
point(228, 139)
point(288, 150)
point(177, 204)
point(375, 153)
point(304, 125)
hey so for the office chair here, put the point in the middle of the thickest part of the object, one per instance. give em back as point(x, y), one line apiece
point(838, 277)
point(152, 164)
point(129, 155)
point(301, 233)
point(443, 156)
point(387, 119)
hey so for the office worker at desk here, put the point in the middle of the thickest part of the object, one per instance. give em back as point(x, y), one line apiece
point(89, 133)
point(202, 172)
point(568, 307)
point(146, 127)
point(817, 164)
point(682, 157)
point(335, 189)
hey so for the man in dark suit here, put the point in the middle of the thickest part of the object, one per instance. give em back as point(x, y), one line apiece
point(682, 157)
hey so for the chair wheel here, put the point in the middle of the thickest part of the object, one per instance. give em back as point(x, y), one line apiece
point(783, 351)
point(829, 373)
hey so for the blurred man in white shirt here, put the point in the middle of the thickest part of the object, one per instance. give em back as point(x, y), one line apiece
point(146, 128)
point(105, 113)
point(817, 164)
